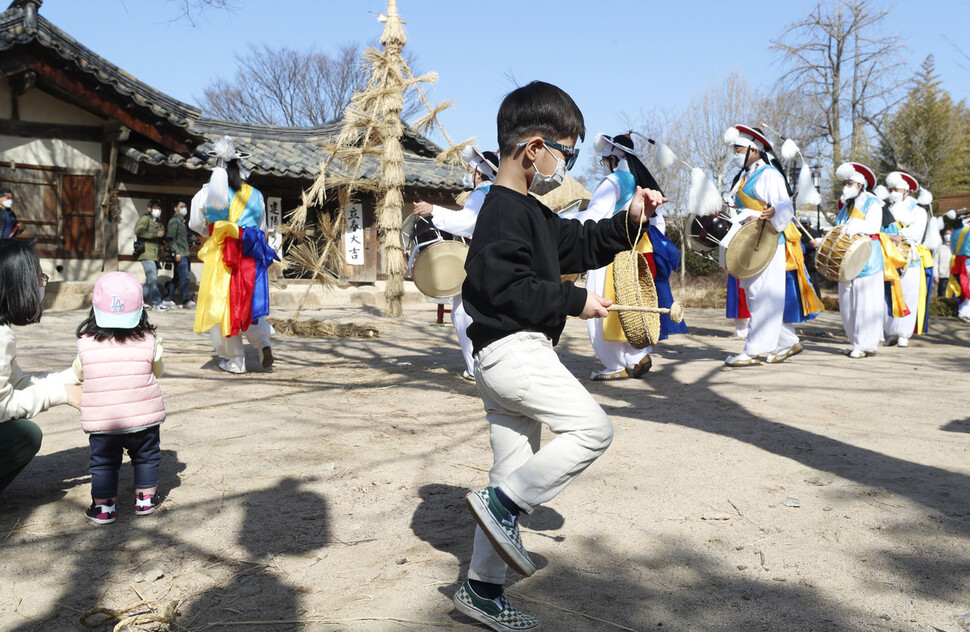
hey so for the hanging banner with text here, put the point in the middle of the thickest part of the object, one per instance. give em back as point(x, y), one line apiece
point(354, 235)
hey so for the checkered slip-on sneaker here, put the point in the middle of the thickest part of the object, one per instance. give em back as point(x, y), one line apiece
point(101, 514)
point(502, 529)
point(144, 505)
point(504, 618)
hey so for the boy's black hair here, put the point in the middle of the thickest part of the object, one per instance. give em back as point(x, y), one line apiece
point(5, 191)
point(20, 300)
point(89, 327)
point(153, 203)
point(538, 108)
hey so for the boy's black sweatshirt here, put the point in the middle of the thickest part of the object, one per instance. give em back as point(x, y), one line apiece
point(518, 253)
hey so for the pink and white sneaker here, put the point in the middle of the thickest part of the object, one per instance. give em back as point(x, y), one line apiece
point(144, 504)
point(101, 514)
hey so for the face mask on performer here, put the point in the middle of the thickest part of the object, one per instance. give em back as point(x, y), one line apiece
point(850, 190)
point(468, 182)
point(896, 196)
point(741, 155)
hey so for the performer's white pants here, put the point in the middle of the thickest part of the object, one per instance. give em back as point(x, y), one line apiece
point(523, 387)
point(862, 304)
point(765, 294)
point(613, 354)
point(905, 326)
point(461, 320)
point(231, 348)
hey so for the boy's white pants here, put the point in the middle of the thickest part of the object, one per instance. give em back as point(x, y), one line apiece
point(231, 348)
point(524, 386)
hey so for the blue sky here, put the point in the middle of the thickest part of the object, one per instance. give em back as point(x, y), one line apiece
point(615, 57)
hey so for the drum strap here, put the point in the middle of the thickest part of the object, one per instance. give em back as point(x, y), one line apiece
point(891, 260)
point(795, 261)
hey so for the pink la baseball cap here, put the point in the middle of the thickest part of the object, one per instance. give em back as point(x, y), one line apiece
point(118, 302)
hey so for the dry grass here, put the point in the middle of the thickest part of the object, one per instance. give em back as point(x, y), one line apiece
point(315, 328)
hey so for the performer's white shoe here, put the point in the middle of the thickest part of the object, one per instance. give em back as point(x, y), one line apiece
point(606, 375)
point(742, 359)
point(784, 354)
point(903, 342)
point(232, 366)
point(859, 353)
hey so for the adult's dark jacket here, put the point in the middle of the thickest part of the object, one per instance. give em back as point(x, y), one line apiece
point(518, 253)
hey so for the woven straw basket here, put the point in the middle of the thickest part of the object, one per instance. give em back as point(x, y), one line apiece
point(633, 285)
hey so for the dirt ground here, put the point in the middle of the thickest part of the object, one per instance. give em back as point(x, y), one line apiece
point(820, 494)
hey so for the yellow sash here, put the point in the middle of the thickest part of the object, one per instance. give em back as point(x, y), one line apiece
point(926, 262)
point(213, 300)
point(953, 289)
point(855, 213)
point(795, 260)
point(892, 259)
point(612, 328)
point(747, 201)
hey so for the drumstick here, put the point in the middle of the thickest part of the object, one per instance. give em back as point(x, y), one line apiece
point(676, 310)
point(803, 229)
point(761, 231)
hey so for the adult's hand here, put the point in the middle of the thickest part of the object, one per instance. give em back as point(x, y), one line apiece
point(422, 208)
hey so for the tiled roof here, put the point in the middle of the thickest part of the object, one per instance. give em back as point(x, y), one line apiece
point(20, 25)
point(292, 152)
point(275, 151)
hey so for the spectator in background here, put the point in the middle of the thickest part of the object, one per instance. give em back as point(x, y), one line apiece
point(9, 225)
point(177, 236)
point(150, 232)
point(941, 258)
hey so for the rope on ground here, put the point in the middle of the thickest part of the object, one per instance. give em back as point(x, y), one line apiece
point(157, 614)
point(219, 624)
point(579, 614)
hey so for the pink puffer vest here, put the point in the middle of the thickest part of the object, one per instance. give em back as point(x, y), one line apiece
point(120, 391)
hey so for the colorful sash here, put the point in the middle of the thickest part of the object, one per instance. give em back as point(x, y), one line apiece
point(891, 260)
point(959, 284)
point(802, 303)
point(925, 282)
point(215, 286)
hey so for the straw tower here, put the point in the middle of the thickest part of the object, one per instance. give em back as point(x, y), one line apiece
point(372, 127)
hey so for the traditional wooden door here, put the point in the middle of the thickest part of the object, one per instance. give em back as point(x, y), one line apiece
point(78, 213)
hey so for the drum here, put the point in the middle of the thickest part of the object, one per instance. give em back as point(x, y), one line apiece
point(705, 232)
point(840, 257)
point(436, 258)
point(749, 246)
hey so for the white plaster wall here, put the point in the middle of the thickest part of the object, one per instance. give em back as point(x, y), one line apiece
point(36, 105)
point(78, 157)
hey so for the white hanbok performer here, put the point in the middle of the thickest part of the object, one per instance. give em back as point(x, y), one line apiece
point(760, 186)
point(862, 301)
point(482, 168)
point(910, 225)
point(231, 216)
point(613, 195)
point(959, 283)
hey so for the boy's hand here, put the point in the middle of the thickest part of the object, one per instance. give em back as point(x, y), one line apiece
point(422, 208)
point(645, 203)
point(595, 306)
point(768, 213)
point(73, 395)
